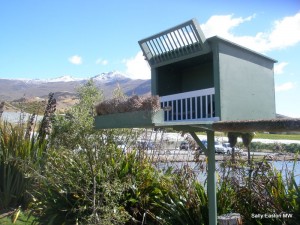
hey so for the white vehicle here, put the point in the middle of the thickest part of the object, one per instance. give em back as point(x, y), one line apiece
point(219, 148)
point(229, 149)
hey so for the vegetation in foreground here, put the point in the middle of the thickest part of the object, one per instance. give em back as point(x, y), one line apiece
point(69, 173)
point(22, 219)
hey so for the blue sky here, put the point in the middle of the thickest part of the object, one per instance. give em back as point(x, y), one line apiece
point(82, 38)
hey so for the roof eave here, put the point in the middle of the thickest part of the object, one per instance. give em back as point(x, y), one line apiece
point(220, 39)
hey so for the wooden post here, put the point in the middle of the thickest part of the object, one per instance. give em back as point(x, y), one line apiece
point(211, 174)
point(198, 141)
point(211, 178)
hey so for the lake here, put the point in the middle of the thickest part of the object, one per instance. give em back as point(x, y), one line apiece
point(200, 169)
point(15, 117)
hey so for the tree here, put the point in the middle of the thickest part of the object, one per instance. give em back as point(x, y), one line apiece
point(72, 129)
point(80, 180)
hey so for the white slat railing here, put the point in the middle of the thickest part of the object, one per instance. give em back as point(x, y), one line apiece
point(192, 105)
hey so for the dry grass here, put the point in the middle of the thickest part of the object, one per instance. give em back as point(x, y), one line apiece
point(134, 103)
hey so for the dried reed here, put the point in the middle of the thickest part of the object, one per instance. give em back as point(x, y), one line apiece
point(134, 103)
point(46, 125)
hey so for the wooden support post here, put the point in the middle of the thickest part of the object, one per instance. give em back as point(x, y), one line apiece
point(211, 175)
point(211, 178)
point(198, 141)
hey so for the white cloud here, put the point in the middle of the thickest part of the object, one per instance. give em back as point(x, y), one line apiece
point(222, 25)
point(102, 61)
point(278, 68)
point(285, 86)
point(75, 59)
point(137, 67)
point(284, 33)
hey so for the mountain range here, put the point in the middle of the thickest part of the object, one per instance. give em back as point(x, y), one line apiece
point(12, 89)
point(65, 87)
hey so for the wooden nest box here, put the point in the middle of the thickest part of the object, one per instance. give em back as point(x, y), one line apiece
point(202, 81)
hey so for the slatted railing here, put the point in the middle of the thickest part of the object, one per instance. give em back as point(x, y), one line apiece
point(179, 41)
point(193, 105)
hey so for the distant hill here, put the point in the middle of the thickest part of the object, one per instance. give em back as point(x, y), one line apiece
point(12, 90)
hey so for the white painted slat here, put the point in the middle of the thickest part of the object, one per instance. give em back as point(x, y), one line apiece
point(211, 106)
point(201, 110)
point(186, 109)
point(196, 107)
point(189, 94)
point(168, 106)
point(191, 108)
point(177, 109)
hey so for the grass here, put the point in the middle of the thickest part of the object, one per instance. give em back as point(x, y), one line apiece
point(267, 136)
point(278, 136)
point(22, 219)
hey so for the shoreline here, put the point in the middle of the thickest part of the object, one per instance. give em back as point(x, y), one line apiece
point(193, 158)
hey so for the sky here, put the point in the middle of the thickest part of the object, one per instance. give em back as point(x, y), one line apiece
point(82, 38)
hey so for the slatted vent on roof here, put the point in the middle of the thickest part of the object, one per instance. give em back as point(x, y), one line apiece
point(182, 40)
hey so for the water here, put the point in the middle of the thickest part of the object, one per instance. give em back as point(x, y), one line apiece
point(286, 167)
point(16, 117)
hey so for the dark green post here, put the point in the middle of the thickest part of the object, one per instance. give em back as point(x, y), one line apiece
point(211, 178)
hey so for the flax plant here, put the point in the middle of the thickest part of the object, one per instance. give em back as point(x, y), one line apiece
point(284, 195)
point(18, 157)
point(186, 200)
point(266, 192)
point(21, 155)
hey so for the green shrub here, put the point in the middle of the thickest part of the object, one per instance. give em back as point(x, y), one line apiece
point(19, 157)
point(117, 189)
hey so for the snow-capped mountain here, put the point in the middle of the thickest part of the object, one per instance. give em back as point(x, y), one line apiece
point(103, 77)
point(11, 89)
point(109, 77)
point(66, 78)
